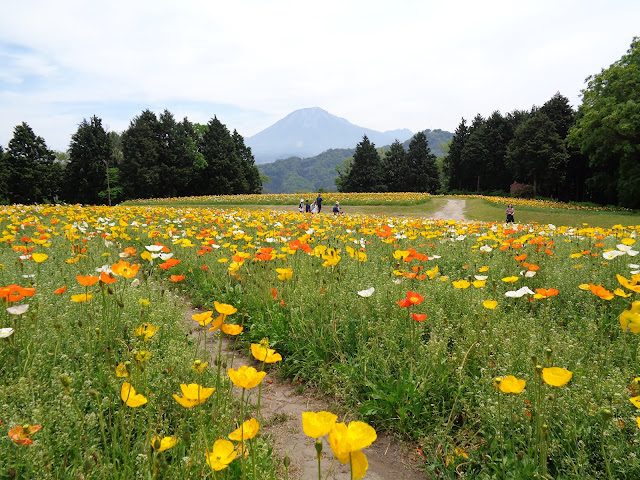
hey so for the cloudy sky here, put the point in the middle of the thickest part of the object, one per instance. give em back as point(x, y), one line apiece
point(380, 64)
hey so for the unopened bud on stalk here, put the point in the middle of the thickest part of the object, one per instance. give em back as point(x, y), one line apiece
point(539, 369)
point(548, 353)
point(319, 448)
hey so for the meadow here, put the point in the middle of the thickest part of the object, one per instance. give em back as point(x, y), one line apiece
point(496, 351)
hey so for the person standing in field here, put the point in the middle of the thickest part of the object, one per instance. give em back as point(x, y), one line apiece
point(336, 209)
point(510, 211)
point(307, 207)
point(319, 202)
point(314, 208)
point(301, 206)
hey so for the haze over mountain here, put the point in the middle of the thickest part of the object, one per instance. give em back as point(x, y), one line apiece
point(310, 131)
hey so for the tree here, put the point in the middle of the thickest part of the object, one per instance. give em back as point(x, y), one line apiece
point(365, 173)
point(4, 178)
point(90, 157)
point(248, 165)
point(537, 155)
point(452, 164)
point(496, 134)
point(33, 177)
point(473, 156)
point(421, 172)
point(393, 164)
point(607, 130)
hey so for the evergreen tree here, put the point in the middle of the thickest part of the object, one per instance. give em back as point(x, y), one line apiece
point(365, 173)
point(32, 175)
point(90, 158)
point(496, 134)
point(452, 163)
point(607, 130)
point(248, 165)
point(176, 155)
point(140, 168)
point(473, 156)
point(421, 173)
point(537, 155)
point(222, 174)
point(394, 165)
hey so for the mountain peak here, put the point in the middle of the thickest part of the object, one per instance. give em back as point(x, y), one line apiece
point(309, 131)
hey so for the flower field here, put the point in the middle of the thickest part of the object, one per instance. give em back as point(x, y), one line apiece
point(496, 351)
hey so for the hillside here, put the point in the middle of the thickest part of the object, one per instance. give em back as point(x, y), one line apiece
point(295, 174)
point(310, 131)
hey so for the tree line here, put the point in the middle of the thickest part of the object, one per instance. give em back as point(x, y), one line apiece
point(589, 154)
point(155, 157)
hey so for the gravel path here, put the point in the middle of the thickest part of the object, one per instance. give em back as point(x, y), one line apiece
point(282, 405)
point(453, 210)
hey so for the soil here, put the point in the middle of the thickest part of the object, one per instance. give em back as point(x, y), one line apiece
point(453, 210)
point(282, 404)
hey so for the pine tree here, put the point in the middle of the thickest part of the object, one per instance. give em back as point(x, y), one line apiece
point(421, 172)
point(365, 172)
point(394, 164)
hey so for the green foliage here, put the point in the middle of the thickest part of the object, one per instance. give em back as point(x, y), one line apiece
point(366, 173)
point(32, 175)
point(421, 172)
point(437, 140)
point(394, 164)
point(90, 157)
point(608, 129)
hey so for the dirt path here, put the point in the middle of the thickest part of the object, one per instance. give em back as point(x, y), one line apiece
point(282, 405)
point(453, 210)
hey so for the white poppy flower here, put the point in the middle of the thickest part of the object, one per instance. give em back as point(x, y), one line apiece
point(366, 293)
point(18, 309)
point(611, 254)
point(481, 277)
point(154, 248)
point(486, 248)
point(519, 293)
point(166, 256)
point(634, 266)
point(530, 273)
point(6, 332)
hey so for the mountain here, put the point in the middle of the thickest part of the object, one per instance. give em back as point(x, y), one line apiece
point(311, 131)
point(295, 174)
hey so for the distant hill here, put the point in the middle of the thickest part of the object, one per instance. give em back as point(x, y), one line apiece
point(311, 131)
point(295, 174)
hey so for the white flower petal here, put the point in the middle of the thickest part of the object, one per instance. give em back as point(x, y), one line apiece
point(366, 293)
point(530, 273)
point(6, 332)
point(18, 309)
point(611, 254)
point(166, 256)
point(154, 248)
point(481, 277)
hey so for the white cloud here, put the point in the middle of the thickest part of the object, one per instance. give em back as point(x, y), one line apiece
point(378, 64)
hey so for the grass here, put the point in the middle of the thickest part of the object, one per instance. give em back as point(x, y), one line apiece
point(430, 380)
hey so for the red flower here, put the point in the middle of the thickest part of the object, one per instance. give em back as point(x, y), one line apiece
point(60, 291)
point(419, 317)
point(413, 298)
point(20, 434)
point(176, 278)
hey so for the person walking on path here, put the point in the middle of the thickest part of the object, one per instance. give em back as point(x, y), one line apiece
point(319, 202)
point(510, 211)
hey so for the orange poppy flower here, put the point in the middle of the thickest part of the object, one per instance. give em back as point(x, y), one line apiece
point(545, 292)
point(21, 435)
point(125, 269)
point(520, 258)
point(600, 291)
point(106, 278)
point(413, 298)
point(168, 263)
point(60, 291)
point(177, 278)
point(419, 317)
point(87, 280)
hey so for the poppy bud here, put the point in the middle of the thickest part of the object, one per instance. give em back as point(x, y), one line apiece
point(548, 352)
point(606, 414)
point(545, 429)
point(319, 449)
point(539, 369)
point(287, 460)
point(157, 444)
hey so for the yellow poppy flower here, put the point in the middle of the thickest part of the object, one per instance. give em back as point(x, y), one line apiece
point(146, 331)
point(461, 284)
point(247, 431)
point(221, 455)
point(246, 377)
point(164, 443)
point(193, 394)
point(630, 319)
point(635, 401)
point(130, 397)
point(265, 354)
point(490, 304)
point(231, 329)
point(318, 424)
point(203, 318)
point(82, 297)
point(511, 384)
point(225, 308)
point(510, 279)
point(39, 257)
point(284, 273)
point(556, 376)
point(345, 440)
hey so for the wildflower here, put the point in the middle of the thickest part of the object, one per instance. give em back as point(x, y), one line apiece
point(511, 384)
point(107, 278)
point(461, 284)
point(199, 366)
point(630, 318)
point(635, 401)
point(600, 291)
point(193, 394)
point(247, 431)
point(18, 309)
point(347, 441)
point(6, 332)
point(419, 317)
point(125, 269)
point(246, 377)
point(39, 257)
point(122, 370)
point(146, 331)
point(284, 273)
point(144, 302)
point(60, 291)
point(265, 354)
point(222, 454)
point(82, 297)
point(633, 285)
point(87, 280)
point(142, 356)
point(510, 279)
point(130, 397)
point(366, 293)
point(545, 293)
point(22, 434)
point(176, 278)
point(224, 308)
point(519, 293)
point(231, 329)
point(556, 376)
point(490, 304)
point(413, 298)
point(203, 318)
point(318, 424)
point(164, 443)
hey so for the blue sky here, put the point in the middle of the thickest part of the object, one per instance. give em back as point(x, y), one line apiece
point(384, 65)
